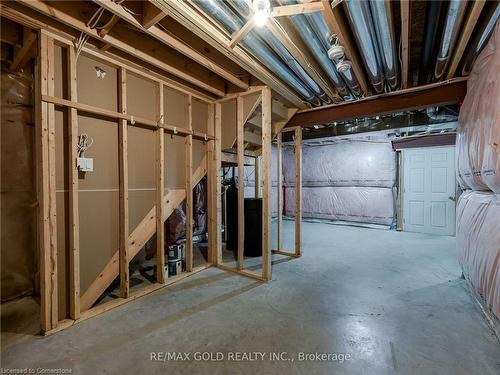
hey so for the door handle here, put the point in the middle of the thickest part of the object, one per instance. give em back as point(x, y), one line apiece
point(451, 198)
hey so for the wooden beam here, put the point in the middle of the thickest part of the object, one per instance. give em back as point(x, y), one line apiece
point(436, 94)
point(266, 183)
point(185, 13)
point(164, 37)
point(160, 188)
point(189, 189)
point(293, 42)
point(279, 169)
point(405, 42)
point(22, 56)
point(338, 27)
point(46, 185)
point(241, 178)
point(123, 195)
point(477, 7)
point(241, 33)
point(153, 55)
point(218, 190)
point(257, 177)
point(151, 15)
point(298, 191)
point(294, 9)
point(279, 125)
point(74, 221)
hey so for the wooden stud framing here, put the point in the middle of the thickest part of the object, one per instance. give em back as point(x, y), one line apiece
point(22, 56)
point(189, 189)
point(474, 14)
point(151, 15)
point(290, 10)
point(148, 26)
point(241, 177)
point(241, 33)
point(257, 177)
point(266, 183)
point(298, 191)
point(405, 42)
point(218, 191)
point(279, 161)
point(160, 187)
point(74, 222)
point(123, 199)
point(46, 185)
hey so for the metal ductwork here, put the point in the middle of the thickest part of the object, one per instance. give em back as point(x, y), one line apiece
point(243, 9)
point(323, 33)
point(309, 36)
point(433, 15)
point(231, 22)
point(359, 15)
point(482, 35)
point(384, 27)
point(456, 11)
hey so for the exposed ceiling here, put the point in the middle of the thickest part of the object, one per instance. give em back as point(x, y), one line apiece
point(214, 46)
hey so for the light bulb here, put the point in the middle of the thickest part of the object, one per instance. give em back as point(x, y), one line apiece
point(262, 10)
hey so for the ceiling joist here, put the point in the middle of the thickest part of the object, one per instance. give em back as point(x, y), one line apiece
point(186, 14)
point(405, 42)
point(151, 15)
point(291, 10)
point(477, 7)
point(23, 55)
point(240, 34)
point(162, 36)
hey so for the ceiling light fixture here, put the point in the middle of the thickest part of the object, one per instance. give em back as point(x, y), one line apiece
point(262, 11)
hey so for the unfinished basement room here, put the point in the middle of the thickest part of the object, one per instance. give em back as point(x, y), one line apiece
point(250, 187)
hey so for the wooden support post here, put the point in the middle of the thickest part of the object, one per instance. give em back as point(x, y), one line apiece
point(298, 190)
point(46, 185)
point(123, 196)
point(189, 188)
point(74, 225)
point(266, 183)
point(241, 178)
point(279, 193)
point(257, 177)
point(218, 188)
point(160, 187)
point(211, 181)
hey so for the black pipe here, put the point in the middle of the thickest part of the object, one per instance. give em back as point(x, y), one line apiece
point(434, 13)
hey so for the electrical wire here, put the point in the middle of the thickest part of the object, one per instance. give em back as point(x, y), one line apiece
point(84, 143)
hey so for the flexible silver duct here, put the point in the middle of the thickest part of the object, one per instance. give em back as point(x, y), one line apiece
point(384, 27)
point(220, 12)
point(483, 34)
point(359, 15)
point(456, 11)
point(243, 9)
point(307, 33)
point(323, 34)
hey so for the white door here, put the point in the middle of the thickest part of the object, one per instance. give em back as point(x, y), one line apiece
point(429, 190)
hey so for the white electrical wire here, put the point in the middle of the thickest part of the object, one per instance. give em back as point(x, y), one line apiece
point(84, 143)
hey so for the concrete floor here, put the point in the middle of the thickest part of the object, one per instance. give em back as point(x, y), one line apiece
point(393, 301)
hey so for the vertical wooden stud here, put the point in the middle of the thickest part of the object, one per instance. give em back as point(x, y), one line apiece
point(266, 183)
point(74, 223)
point(298, 190)
point(46, 185)
point(211, 188)
point(123, 196)
point(279, 170)
point(241, 178)
point(257, 177)
point(189, 187)
point(160, 187)
point(218, 188)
